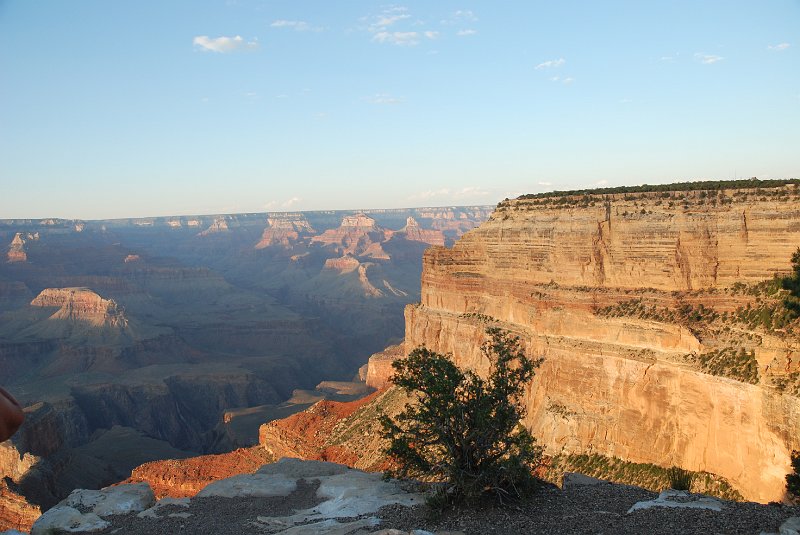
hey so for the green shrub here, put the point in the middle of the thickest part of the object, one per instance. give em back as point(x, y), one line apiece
point(793, 479)
point(464, 431)
point(680, 479)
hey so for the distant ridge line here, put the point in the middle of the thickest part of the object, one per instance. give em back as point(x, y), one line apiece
point(713, 185)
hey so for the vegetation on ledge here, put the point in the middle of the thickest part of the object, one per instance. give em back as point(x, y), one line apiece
point(645, 475)
point(464, 431)
point(707, 185)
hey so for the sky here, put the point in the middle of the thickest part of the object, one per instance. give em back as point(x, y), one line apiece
point(112, 109)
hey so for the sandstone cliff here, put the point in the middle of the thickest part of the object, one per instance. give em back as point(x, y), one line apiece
point(414, 232)
point(593, 283)
point(16, 250)
point(284, 231)
point(81, 304)
point(220, 224)
point(358, 235)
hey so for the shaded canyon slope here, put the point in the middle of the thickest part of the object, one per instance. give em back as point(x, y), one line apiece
point(663, 330)
point(153, 329)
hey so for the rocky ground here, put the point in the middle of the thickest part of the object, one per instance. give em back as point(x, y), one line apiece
point(295, 497)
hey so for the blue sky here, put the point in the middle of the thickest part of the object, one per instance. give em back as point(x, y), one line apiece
point(122, 109)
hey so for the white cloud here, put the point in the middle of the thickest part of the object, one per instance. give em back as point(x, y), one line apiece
point(707, 59)
point(601, 182)
point(471, 191)
point(465, 14)
point(462, 15)
point(388, 17)
point(223, 44)
point(548, 184)
point(779, 47)
point(391, 26)
point(554, 78)
point(551, 63)
point(568, 80)
point(296, 25)
point(446, 193)
point(291, 202)
point(397, 38)
point(466, 33)
point(428, 194)
point(384, 98)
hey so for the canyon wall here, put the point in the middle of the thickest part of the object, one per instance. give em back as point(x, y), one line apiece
point(631, 385)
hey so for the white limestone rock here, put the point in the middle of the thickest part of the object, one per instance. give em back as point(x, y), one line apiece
point(66, 519)
point(679, 499)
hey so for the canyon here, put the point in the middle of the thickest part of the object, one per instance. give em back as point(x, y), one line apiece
point(134, 340)
point(591, 282)
point(660, 315)
point(654, 355)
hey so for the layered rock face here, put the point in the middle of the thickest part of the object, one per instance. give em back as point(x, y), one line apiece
point(414, 232)
point(181, 478)
point(358, 235)
point(631, 386)
point(81, 304)
point(16, 250)
point(220, 224)
point(284, 231)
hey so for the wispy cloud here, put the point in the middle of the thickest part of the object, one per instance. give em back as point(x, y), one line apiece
point(567, 80)
point(429, 194)
point(707, 59)
point(296, 25)
point(391, 26)
point(550, 64)
point(388, 17)
point(603, 182)
point(446, 193)
point(223, 44)
point(384, 98)
point(460, 16)
point(548, 184)
point(291, 202)
point(466, 33)
point(471, 191)
point(397, 38)
point(779, 47)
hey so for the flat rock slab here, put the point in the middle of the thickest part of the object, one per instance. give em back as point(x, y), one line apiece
point(65, 519)
point(119, 500)
point(679, 499)
point(790, 527)
point(87, 510)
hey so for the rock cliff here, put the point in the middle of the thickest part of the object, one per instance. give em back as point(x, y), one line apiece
point(16, 250)
point(284, 230)
point(596, 284)
point(358, 235)
point(81, 304)
point(414, 232)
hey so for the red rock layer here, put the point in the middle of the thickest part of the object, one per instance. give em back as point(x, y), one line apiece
point(80, 304)
point(305, 435)
point(284, 231)
point(357, 235)
point(15, 511)
point(181, 478)
point(414, 232)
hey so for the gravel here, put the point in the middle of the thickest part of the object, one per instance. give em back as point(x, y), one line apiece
point(596, 509)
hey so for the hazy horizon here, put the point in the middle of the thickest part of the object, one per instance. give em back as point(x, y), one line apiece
point(114, 111)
